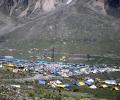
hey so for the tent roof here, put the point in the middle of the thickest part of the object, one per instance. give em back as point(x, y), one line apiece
point(113, 82)
point(93, 86)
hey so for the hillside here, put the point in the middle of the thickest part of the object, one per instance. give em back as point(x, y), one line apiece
point(73, 26)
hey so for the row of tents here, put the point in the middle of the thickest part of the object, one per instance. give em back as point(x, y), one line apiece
point(90, 83)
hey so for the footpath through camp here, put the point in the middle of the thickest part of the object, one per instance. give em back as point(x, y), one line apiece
point(58, 75)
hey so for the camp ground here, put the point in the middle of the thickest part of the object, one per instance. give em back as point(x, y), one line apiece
point(55, 74)
point(79, 84)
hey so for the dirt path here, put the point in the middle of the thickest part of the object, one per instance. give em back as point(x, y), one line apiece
point(36, 77)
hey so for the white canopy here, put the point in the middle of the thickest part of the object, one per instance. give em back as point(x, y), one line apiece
point(92, 87)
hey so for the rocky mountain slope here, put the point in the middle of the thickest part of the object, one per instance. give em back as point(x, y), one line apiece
point(72, 26)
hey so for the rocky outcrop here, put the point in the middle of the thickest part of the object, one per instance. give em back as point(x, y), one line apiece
point(24, 7)
point(109, 7)
point(77, 24)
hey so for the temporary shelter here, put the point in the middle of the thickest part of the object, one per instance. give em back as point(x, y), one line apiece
point(116, 88)
point(91, 80)
point(15, 70)
point(16, 86)
point(110, 82)
point(52, 86)
point(68, 85)
point(81, 83)
point(9, 66)
point(87, 82)
point(60, 86)
point(8, 57)
point(42, 82)
point(1, 65)
point(103, 86)
point(57, 81)
point(119, 84)
point(93, 87)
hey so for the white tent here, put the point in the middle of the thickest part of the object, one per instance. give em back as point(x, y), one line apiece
point(1, 65)
point(111, 82)
point(91, 80)
point(92, 87)
point(16, 86)
point(58, 82)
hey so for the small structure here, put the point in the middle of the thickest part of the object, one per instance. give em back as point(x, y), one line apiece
point(116, 88)
point(9, 66)
point(16, 86)
point(110, 82)
point(103, 86)
point(81, 83)
point(42, 82)
point(60, 86)
point(93, 87)
point(68, 85)
point(1, 66)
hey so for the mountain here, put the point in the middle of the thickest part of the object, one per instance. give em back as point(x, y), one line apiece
point(70, 26)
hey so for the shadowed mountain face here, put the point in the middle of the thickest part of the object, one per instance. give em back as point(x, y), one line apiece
point(72, 26)
point(113, 7)
point(114, 3)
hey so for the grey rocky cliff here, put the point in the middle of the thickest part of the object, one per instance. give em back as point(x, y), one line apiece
point(77, 24)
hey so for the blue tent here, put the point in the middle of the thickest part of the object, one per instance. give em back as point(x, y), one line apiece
point(87, 83)
point(77, 83)
point(42, 82)
point(68, 85)
point(74, 82)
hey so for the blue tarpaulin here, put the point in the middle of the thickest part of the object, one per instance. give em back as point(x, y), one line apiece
point(42, 82)
point(67, 85)
point(87, 83)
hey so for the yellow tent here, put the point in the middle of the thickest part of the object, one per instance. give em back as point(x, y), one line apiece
point(9, 66)
point(119, 84)
point(60, 85)
point(116, 88)
point(104, 86)
point(81, 83)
